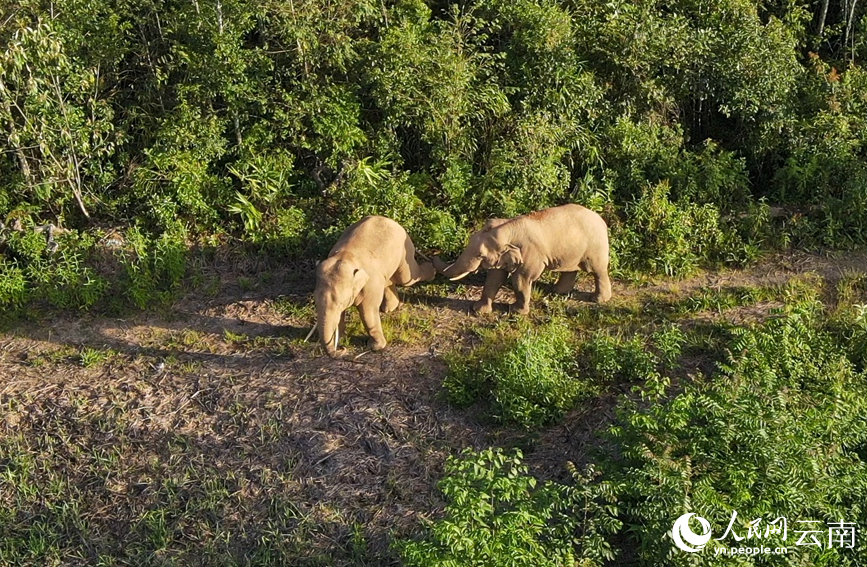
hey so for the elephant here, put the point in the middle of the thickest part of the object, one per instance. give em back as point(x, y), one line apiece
point(371, 257)
point(562, 239)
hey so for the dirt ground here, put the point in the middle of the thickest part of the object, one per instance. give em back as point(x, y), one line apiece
point(227, 380)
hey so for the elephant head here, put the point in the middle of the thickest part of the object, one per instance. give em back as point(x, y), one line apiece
point(338, 284)
point(492, 248)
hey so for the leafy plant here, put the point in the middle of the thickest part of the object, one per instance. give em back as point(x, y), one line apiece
point(760, 438)
point(527, 378)
point(497, 514)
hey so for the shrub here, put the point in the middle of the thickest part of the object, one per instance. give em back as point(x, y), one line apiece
point(497, 514)
point(64, 279)
point(614, 359)
point(673, 238)
point(763, 438)
point(527, 378)
point(154, 267)
point(13, 285)
point(58, 274)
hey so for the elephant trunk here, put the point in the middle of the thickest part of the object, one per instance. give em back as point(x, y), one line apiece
point(463, 266)
point(328, 322)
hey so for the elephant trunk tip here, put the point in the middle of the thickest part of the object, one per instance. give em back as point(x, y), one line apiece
point(439, 265)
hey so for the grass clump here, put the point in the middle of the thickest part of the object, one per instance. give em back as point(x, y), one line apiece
point(528, 378)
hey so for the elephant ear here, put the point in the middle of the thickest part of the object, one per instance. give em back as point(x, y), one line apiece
point(493, 223)
point(511, 258)
point(359, 279)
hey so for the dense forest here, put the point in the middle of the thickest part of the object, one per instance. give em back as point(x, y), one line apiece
point(703, 131)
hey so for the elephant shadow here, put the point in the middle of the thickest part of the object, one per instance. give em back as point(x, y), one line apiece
point(428, 295)
point(431, 300)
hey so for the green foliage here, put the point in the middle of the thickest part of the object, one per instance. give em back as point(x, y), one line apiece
point(761, 437)
point(497, 514)
point(279, 123)
point(778, 430)
point(64, 279)
point(56, 121)
point(825, 171)
point(527, 378)
point(42, 266)
point(13, 285)
point(850, 330)
point(639, 359)
point(674, 238)
point(154, 268)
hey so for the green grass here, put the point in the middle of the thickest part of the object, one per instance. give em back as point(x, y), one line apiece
point(91, 357)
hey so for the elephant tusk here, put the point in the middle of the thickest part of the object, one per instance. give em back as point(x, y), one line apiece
point(459, 277)
point(310, 334)
point(336, 337)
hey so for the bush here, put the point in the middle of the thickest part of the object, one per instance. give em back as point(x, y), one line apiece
point(779, 430)
point(13, 285)
point(761, 438)
point(674, 238)
point(154, 267)
point(497, 514)
point(42, 266)
point(73, 270)
point(612, 359)
point(528, 379)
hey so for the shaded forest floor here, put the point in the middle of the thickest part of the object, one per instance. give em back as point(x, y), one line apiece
point(208, 432)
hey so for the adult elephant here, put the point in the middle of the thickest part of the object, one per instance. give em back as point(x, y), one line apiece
point(371, 257)
point(562, 239)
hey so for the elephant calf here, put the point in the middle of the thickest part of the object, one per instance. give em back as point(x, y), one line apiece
point(562, 239)
point(371, 257)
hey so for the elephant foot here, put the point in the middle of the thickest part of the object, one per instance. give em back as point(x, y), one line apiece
point(374, 345)
point(337, 354)
point(601, 297)
point(520, 310)
point(389, 307)
point(482, 307)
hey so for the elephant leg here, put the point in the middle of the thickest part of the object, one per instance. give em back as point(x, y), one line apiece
point(603, 286)
point(566, 282)
point(390, 301)
point(599, 268)
point(493, 282)
point(369, 311)
point(522, 283)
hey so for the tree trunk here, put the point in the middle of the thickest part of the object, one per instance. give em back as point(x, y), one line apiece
point(850, 19)
point(822, 16)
